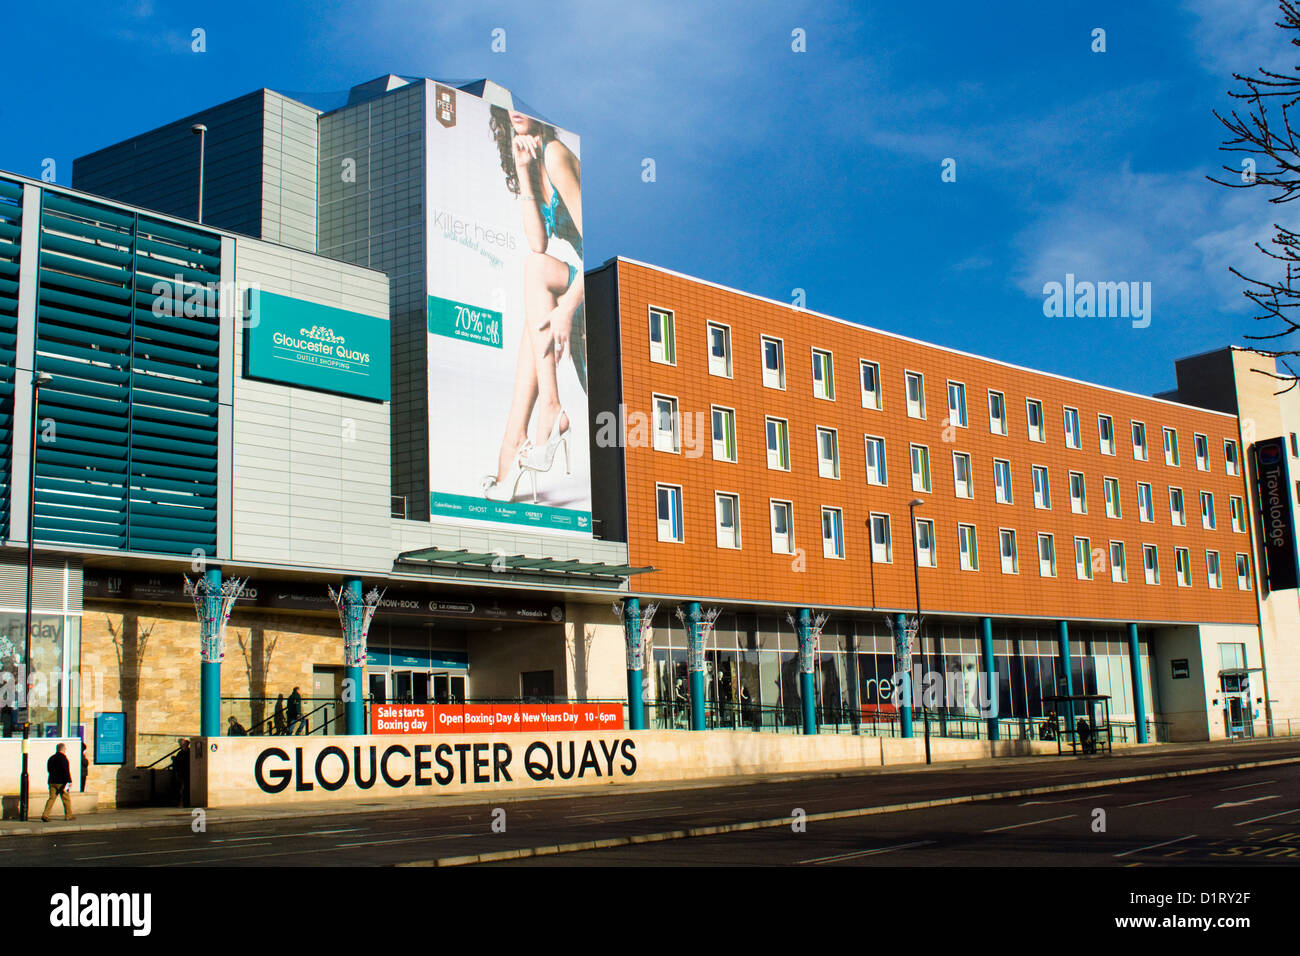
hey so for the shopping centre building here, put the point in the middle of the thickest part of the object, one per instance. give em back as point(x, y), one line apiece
point(370, 357)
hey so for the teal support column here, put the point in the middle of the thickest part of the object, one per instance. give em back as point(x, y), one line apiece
point(695, 663)
point(904, 689)
point(210, 671)
point(635, 663)
point(1063, 658)
point(807, 666)
point(1135, 665)
point(988, 696)
point(354, 703)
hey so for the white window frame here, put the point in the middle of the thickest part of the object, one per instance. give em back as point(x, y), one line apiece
point(824, 359)
point(1172, 458)
point(719, 366)
point(1083, 571)
point(1073, 428)
point(1150, 506)
point(772, 378)
point(1213, 570)
point(679, 516)
point(881, 553)
point(667, 348)
point(872, 399)
point(1243, 578)
point(675, 435)
point(837, 521)
point(927, 476)
point(1003, 492)
point(1183, 567)
point(957, 481)
point(994, 421)
point(1231, 458)
point(1141, 452)
point(1118, 569)
point(968, 554)
point(882, 469)
point(734, 499)
point(783, 432)
point(1201, 451)
point(1050, 540)
point(1079, 502)
point(1208, 520)
point(1110, 493)
point(831, 468)
point(1106, 448)
point(1042, 489)
point(1005, 535)
point(1151, 568)
point(1237, 512)
point(914, 409)
point(1178, 516)
point(788, 506)
point(964, 421)
point(728, 418)
point(1036, 405)
point(930, 555)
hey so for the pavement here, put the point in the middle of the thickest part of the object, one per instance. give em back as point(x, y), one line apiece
point(844, 811)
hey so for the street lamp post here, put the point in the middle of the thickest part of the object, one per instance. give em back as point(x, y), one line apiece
point(201, 131)
point(916, 579)
point(39, 379)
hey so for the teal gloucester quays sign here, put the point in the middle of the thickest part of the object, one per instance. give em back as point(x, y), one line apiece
point(317, 346)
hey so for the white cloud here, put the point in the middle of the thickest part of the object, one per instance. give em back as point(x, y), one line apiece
point(1239, 36)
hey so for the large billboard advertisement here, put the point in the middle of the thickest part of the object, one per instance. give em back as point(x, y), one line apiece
point(506, 318)
point(1273, 490)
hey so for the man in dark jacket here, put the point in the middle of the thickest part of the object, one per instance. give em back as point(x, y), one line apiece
point(181, 771)
point(60, 778)
point(294, 713)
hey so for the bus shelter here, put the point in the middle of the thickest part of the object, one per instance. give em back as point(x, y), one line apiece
point(1083, 719)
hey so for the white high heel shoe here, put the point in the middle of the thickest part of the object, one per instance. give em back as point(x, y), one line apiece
point(541, 459)
point(495, 490)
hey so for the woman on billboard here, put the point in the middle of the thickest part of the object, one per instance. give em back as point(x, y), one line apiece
point(546, 176)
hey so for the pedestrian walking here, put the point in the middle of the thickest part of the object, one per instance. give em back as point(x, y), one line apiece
point(277, 720)
point(296, 723)
point(181, 773)
point(59, 778)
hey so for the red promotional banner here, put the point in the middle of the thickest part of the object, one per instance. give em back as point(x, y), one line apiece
point(494, 718)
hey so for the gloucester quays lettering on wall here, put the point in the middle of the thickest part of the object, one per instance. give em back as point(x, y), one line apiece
point(398, 766)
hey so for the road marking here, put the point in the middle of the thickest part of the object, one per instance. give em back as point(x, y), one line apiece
point(344, 830)
point(95, 843)
point(188, 849)
point(616, 813)
point(1156, 846)
point(861, 853)
point(1146, 803)
point(1242, 803)
point(1269, 817)
point(1031, 823)
point(1245, 786)
point(445, 836)
point(1086, 796)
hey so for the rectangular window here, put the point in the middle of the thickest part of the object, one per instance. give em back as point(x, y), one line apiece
point(828, 453)
point(1295, 447)
point(1151, 563)
point(1171, 447)
point(778, 444)
point(1177, 515)
point(1007, 549)
point(1139, 441)
point(920, 468)
point(663, 340)
point(967, 548)
point(1073, 437)
point(961, 475)
point(870, 384)
point(728, 513)
point(876, 461)
point(669, 498)
point(1213, 573)
point(925, 556)
point(1183, 567)
point(957, 404)
point(1046, 556)
point(1106, 434)
point(997, 413)
point(1078, 493)
point(915, 383)
point(667, 426)
point(1237, 506)
point(724, 434)
point(1201, 446)
point(1002, 481)
point(1207, 510)
point(1083, 559)
point(1042, 490)
point(1243, 572)
point(1230, 463)
point(1034, 419)
point(882, 546)
point(1146, 507)
point(719, 350)
point(773, 363)
point(832, 533)
point(1110, 488)
point(1118, 563)
point(823, 375)
point(782, 527)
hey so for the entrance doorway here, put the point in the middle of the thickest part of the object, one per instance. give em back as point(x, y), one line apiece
point(326, 688)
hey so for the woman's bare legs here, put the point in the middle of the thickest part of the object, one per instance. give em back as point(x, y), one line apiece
point(521, 405)
point(545, 278)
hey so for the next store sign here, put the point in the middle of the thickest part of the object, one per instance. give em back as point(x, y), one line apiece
point(318, 346)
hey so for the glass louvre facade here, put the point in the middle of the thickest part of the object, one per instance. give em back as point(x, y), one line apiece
point(11, 220)
point(752, 669)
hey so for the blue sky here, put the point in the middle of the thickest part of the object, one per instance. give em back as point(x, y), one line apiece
point(778, 170)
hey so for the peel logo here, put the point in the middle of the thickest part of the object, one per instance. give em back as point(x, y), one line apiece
point(76, 909)
point(444, 106)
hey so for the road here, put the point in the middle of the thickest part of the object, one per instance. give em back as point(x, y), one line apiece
point(1243, 817)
